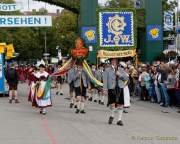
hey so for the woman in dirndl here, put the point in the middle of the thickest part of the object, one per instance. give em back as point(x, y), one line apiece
point(43, 93)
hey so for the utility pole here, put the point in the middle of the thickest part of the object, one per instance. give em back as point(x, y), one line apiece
point(45, 42)
point(45, 48)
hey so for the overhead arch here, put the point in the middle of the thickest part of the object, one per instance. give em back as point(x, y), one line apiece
point(72, 5)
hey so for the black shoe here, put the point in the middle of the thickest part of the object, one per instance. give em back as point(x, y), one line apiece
point(40, 111)
point(102, 103)
point(82, 112)
point(99, 101)
point(71, 105)
point(124, 111)
point(61, 93)
point(120, 123)
point(178, 111)
point(77, 111)
point(75, 106)
point(17, 101)
point(10, 101)
point(110, 120)
point(95, 101)
point(90, 99)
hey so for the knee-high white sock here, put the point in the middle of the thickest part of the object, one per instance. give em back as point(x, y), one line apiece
point(10, 94)
point(99, 96)
point(120, 112)
point(74, 100)
point(95, 96)
point(78, 105)
point(91, 94)
point(113, 110)
point(44, 110)
point(82, 105)
point(15, 94)
point(102, 98)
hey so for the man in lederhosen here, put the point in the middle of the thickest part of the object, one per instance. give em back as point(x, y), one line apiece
point(81, 83)
point(114, 82)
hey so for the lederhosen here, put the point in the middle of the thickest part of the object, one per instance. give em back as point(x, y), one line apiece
point(81, 90)
point(60, 80)
point(71, 86)
point(116, 95)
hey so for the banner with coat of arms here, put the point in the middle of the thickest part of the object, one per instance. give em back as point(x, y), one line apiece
point(117, 29)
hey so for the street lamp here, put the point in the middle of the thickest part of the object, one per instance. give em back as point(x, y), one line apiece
point(59, 52)
point(57, 47)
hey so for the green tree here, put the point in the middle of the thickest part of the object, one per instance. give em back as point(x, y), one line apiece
point(7, 1)
point(128, 4)
point(65, 30)
point(171, 5)
point(119, 3)
point(26, 43)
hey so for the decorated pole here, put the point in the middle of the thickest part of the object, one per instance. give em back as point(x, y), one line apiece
point(88, 26)
point(153, 43)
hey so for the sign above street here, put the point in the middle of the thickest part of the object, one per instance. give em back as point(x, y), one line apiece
point(25, 21)
point(10, 7)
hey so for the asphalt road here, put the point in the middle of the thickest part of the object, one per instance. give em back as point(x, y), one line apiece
point(144, 124)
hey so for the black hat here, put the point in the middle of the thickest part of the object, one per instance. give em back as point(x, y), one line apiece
point(42, 66)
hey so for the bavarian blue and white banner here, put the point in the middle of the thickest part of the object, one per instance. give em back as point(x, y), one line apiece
point(116, 29)
point(89, 34)
point(168, 20)
point(25, 21)
point(10, 7)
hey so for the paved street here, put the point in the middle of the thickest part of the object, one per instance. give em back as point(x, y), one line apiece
point(144, 124)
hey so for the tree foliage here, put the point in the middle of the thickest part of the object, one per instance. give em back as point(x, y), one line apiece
point(171, 5)
point(119, 3)
point(128, 4)
point(72, 5)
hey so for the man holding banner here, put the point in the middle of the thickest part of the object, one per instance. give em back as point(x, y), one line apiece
point(114, 81)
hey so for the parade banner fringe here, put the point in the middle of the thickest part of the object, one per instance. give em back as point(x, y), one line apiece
point(116, 54)
point(90, 74)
